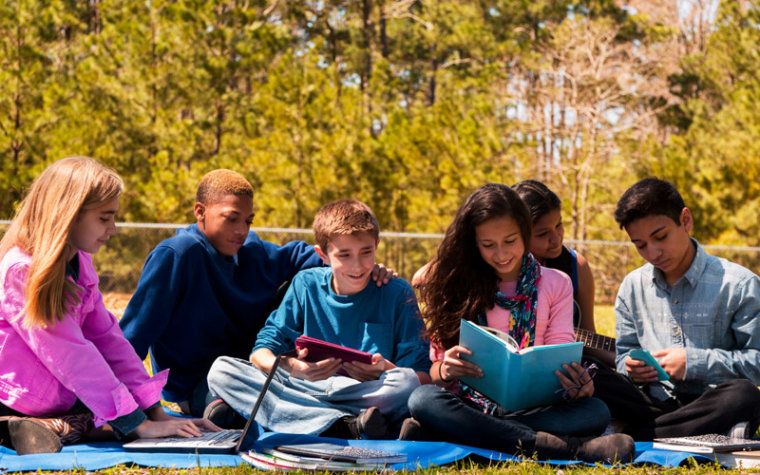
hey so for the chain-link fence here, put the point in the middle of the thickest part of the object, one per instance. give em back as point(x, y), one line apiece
point(120, 262)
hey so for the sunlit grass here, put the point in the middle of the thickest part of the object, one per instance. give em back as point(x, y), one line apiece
point(604, 319)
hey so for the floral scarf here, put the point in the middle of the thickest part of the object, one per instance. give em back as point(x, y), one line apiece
point(522, 307)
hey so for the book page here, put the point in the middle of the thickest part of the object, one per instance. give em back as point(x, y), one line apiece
point(506, 337)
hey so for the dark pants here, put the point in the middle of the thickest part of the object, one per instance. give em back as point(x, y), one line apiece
point(446, 416)
point(199, 399)
point(714, 411)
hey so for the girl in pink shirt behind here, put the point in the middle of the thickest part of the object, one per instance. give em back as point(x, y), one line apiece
point(66, 370)
point(484, 273)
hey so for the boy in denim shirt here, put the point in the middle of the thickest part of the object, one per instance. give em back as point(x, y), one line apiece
point(335, 304)
point(696, 314)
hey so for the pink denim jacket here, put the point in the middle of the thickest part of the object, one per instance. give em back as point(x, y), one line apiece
point(44, 370)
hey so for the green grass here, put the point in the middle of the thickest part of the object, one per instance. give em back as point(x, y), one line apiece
point(461, 467)
point(604, 319)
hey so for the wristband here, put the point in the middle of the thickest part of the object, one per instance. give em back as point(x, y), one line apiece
point(440, 375)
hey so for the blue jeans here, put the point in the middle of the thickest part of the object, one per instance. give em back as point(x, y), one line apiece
point(446, 416)
point(296, 406)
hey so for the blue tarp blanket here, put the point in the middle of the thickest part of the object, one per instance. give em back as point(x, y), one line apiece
point(101, 455)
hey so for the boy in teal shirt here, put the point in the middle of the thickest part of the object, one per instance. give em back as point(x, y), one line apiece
point(337, 305)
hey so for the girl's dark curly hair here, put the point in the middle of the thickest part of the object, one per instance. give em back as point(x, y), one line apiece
point(459, 283)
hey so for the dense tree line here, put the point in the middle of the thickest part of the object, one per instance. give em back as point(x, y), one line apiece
point(405, 104)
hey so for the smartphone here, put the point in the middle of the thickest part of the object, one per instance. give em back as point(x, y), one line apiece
point(646, 357)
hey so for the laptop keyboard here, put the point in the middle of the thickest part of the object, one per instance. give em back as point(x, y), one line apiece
point(207, 439)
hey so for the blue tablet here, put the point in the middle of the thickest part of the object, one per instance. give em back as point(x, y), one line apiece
point(646, 357)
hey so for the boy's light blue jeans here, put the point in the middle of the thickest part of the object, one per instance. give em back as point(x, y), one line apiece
point(296, 406)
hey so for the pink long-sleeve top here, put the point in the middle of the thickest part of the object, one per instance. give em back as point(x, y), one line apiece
point(554, 311)
point(44, 370)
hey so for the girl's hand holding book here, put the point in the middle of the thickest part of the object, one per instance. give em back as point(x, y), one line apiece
point(576, 381)
point(453, 367)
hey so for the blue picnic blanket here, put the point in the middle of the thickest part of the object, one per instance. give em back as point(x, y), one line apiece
point(101, 455)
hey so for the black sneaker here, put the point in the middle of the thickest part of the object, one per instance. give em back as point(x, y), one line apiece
point(371, 424)
point(411, 429)
point(221, 414)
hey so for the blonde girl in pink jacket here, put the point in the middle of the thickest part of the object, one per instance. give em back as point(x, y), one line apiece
point(66, 370)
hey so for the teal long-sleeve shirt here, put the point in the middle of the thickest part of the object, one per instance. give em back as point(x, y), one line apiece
point(381, 320)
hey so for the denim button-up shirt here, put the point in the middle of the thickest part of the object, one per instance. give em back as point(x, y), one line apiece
point(712, 312)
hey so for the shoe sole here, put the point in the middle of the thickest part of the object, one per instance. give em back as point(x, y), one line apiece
point(29, 437)
point(224, 416)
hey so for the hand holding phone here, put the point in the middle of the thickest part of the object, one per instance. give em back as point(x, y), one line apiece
point(646, 357)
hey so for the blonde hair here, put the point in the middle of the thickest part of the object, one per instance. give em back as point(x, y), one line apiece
point(42, 225)
point(217, 184)
point(344, 217)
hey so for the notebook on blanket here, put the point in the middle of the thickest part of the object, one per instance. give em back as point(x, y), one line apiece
point(226, 441)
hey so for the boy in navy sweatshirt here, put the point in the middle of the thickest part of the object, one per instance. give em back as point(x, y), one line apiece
point(207, 291)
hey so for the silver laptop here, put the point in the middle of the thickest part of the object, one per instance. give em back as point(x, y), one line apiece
point(224, 442)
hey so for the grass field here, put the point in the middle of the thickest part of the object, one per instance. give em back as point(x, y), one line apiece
point(605, 324)
point(604, 319)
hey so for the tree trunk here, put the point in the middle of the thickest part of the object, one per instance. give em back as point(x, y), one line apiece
point(366, 74)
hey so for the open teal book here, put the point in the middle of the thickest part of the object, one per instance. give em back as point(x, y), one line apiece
point(515, 379)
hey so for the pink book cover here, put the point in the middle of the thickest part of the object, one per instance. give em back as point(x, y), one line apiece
point(321, 350)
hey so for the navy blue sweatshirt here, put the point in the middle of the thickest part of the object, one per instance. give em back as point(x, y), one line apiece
point(193, 305)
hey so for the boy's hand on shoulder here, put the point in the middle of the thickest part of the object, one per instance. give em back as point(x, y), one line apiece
point(382, 275)
point(673, 361)
point(368, 372)
point(316, 371)
point(639, 371)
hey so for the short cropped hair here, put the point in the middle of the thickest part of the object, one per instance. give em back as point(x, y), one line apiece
point(649, 197)
point(217, 184)
point(344, 217)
